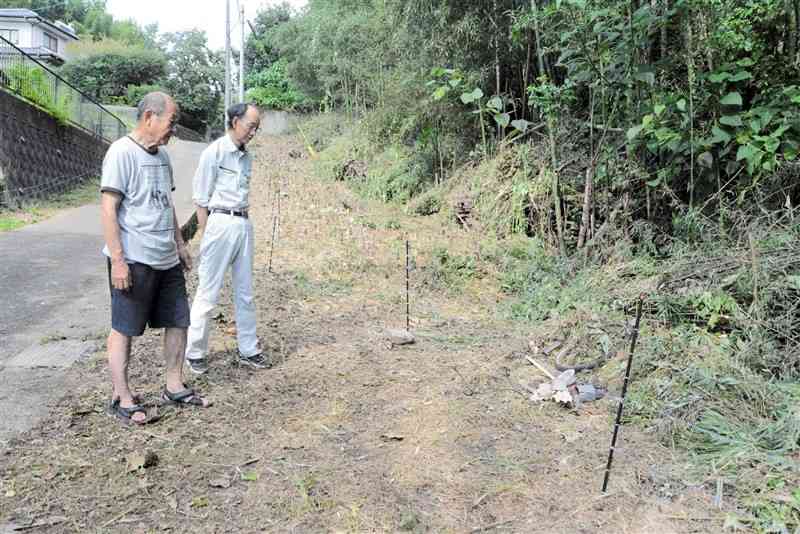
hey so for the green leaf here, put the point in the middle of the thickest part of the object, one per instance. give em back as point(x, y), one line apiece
point(747, 152)
point(454, 83)
point(502, 119)
point(469, 98)
point(521, 125)
point(250, 476)
point(681, 105)
point(440, 92)
point(654, 183)
point(706, 159)
point(772, 145)
point(731, 120)
point(732, 99)
point(719, 77)
point(720, 135)
point(790, 150)
point(741, 75)
point(199, 502)
point(634, 132)
point(495, 104)
point(659, 109)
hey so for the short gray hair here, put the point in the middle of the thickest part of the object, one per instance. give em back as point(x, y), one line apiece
point(237, 111)
point(155, 102)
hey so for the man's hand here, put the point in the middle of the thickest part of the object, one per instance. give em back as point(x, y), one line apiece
point(121, 275)
point(185, 257)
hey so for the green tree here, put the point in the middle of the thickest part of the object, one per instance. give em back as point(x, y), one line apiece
point(106, 73)
point(195, 78)
point(271, 88)
point(260, 50)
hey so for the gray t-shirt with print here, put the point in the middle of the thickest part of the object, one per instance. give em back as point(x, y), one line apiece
point(145, 215)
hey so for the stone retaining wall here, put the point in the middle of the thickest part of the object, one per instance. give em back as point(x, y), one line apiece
point(40, 157)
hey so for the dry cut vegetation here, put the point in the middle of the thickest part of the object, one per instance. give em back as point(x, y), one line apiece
point(347, 433)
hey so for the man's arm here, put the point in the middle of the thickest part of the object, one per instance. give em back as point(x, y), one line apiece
point(120, 274)
point(202, 218)
point(183, 252)
point(205, 178)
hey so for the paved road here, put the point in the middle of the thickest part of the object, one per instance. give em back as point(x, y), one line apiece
point(53, 285)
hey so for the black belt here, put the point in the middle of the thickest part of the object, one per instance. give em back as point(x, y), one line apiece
point(230, 212)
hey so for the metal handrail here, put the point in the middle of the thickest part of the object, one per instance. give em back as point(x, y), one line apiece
point(34, 81)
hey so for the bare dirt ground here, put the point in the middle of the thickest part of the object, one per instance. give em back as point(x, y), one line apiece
point(346, 433)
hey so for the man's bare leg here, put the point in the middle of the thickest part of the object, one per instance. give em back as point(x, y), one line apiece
point(119, 355)
point(174, 350)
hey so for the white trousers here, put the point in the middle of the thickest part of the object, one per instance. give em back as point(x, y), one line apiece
point(227, 242)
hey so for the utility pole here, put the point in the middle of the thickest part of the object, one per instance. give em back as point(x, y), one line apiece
point(227, 54)
point(241, 57)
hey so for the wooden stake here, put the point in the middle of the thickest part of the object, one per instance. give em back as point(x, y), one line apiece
point(408, 285)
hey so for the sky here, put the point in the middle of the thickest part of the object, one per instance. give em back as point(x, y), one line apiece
point(180, 15)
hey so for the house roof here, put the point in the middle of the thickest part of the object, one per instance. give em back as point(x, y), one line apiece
point(18, 13)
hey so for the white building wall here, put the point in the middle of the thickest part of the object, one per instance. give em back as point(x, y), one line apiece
point(32, 35)
point(24, 28)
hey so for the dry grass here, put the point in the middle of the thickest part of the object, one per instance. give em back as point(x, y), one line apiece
point(345, 433)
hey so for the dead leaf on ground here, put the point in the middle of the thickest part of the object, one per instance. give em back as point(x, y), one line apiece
point(200, 502)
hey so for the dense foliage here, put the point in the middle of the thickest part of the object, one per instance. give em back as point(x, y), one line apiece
point(267, 82)
point(701, 96)
point(106, 74)
point(652, 139)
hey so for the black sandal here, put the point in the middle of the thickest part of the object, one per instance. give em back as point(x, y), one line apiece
point(126, 414)
point(187, 397)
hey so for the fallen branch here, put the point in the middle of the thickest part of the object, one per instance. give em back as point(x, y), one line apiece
point(118, 517)
point(540, 367)
point(492, 526)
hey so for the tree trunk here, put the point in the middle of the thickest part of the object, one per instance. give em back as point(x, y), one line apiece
point(587, 207)
point(525, 81)
point(690, 77)
point(588, 195)
point(796, 58)
point(791, 30)
point(664, 36)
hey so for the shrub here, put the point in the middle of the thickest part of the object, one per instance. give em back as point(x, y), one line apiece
point(271, 89)
point(135, 93)
point(107, 74)
point(32, 83)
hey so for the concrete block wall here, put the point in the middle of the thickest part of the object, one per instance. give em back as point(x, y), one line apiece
point(40, 157)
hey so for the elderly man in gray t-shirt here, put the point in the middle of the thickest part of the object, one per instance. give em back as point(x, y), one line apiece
point(146, 255)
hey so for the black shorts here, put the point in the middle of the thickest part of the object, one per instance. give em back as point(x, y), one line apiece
point(157, 298)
